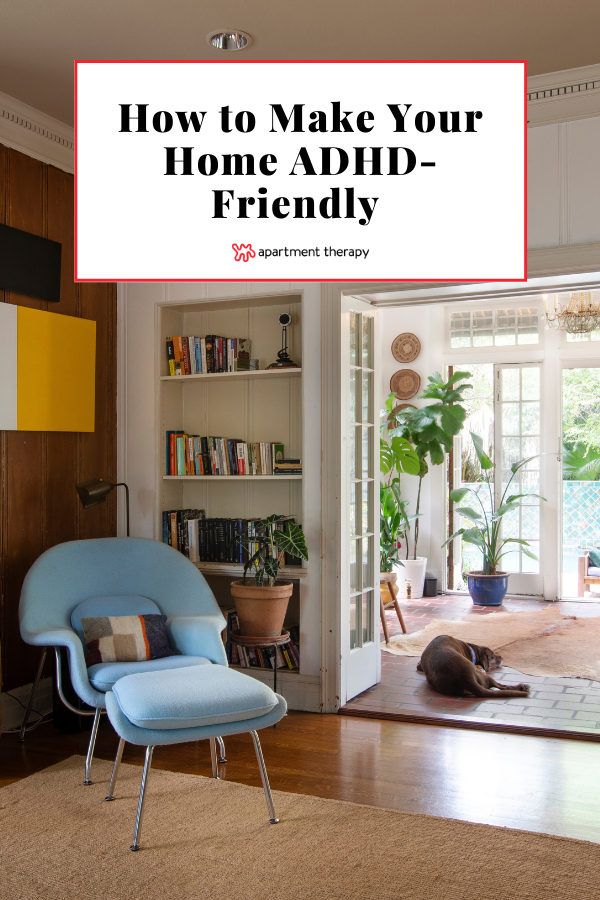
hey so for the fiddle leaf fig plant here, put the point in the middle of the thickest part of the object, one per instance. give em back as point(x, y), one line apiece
point(431, 429)
point(485, 532)
point(273, 537)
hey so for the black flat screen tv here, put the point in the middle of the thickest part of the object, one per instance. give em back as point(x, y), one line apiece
point(29, 264)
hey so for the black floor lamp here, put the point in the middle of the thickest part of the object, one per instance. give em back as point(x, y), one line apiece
point(97, 490)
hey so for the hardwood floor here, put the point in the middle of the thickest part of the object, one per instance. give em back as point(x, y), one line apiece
point(533, 783)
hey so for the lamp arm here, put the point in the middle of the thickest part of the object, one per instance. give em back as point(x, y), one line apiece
point(126, 486)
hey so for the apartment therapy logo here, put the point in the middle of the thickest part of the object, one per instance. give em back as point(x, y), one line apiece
point(329, 161)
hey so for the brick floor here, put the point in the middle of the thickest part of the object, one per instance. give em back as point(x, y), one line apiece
point(569, 706)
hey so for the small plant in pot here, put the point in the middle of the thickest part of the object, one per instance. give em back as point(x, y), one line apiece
point(488, 587)
point(261, 600)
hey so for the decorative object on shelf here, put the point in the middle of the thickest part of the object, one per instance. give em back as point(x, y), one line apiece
point(405, 383)
point(406, 347)
point(488, 587)
point(97, 490)
point(430, 430)
point(579, 315)
point(283, 360)
point(261, 606)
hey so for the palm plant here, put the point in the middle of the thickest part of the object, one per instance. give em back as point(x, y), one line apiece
point(486, 529)
point(432, 428)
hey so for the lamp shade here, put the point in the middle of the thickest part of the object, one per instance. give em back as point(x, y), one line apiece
point(94, 491)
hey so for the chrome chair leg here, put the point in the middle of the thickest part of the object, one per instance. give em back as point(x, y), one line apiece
point(273, 820)
point(221, 746)
point(91, 746)
point(137, 830)
point(34, 688)
point(115, 771)
point(213, 757)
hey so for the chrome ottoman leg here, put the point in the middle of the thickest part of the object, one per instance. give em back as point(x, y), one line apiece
point(115, 771)
point(221, 746)
point(273, 820)
point(137, 830)
point(214, 762)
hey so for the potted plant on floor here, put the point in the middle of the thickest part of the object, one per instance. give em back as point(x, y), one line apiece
point(488, 586)
point(261, 602)
point(430, 430)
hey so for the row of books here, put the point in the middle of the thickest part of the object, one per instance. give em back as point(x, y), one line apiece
point(193, 355)
point(284, 657)
point(204, 539)
point(191, 454)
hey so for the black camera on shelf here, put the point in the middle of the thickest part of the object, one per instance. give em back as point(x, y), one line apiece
point(283, 360)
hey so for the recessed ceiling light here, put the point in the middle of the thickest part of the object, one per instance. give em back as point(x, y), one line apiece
point(229, 40)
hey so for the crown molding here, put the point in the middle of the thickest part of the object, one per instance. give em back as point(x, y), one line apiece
point(564, 96)
point(33, 132)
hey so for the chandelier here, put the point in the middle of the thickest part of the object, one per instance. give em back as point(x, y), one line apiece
point(579, 316)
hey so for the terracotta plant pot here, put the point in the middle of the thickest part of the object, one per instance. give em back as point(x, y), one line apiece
point(261, 610)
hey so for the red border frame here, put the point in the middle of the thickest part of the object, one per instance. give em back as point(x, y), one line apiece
point(78, 280)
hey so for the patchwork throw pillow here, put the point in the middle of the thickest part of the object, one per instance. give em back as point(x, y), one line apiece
point(126, 638)
point(594, 557)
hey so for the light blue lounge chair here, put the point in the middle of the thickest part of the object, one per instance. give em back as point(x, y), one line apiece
point(116, 576)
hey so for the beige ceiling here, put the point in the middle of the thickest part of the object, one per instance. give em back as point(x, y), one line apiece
point(40, 38)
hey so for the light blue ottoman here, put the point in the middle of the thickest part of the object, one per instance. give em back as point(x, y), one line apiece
point(189, 704)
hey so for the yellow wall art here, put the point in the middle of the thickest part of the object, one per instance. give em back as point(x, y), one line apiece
point(47, 371)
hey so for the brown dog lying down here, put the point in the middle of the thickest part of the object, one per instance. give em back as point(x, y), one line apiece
point(456, 668)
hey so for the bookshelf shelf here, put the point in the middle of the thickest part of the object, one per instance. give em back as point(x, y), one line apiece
point(232, 478)
point(236, 569)
point(235, 376)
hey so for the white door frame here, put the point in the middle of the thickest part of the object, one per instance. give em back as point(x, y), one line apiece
point(548, 267)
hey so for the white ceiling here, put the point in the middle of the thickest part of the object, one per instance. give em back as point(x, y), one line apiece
point(40, 38)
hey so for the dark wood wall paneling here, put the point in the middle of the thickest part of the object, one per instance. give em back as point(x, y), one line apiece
point(39, 470)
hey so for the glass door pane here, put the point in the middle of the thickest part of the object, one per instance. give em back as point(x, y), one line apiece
point(580, 480)
point(464, 469)
point(518, 403)
point(504, 409)
point(362, 511)
point(360, 657)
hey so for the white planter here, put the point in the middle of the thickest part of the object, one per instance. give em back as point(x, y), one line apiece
point(413, 571)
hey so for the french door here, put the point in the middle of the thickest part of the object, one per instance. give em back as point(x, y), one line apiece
point(518, 430)
point(505, 409)
point(359, 581)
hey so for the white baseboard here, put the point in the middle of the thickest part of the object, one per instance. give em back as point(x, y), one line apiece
point(11, 713)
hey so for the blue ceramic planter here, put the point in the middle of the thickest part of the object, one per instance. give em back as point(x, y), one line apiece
point(487, 590)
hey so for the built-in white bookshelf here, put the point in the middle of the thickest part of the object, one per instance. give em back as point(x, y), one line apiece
point(257, 405)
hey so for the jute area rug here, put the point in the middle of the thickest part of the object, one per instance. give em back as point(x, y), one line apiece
point(210, 839)
point(542, 642)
